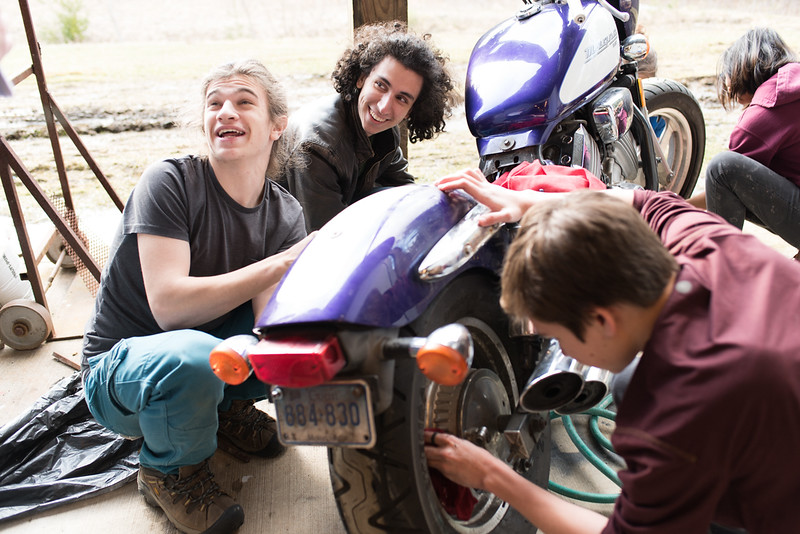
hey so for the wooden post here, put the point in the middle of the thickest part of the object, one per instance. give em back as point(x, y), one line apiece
point(366, 11)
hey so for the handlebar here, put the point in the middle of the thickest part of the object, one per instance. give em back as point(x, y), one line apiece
point(576, 6)
point(624, 17)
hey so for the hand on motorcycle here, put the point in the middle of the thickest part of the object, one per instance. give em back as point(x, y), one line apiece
point(460, 460)
point(469, 465)
point(284, 260)
point(506, 205)
point(291, 253)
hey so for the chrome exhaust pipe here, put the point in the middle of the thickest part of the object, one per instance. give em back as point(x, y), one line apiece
point(554, 382)
point(596, 385)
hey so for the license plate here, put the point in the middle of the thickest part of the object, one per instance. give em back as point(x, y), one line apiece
point(336, 414)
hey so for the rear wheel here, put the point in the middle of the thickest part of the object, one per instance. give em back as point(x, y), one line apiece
point(678, 122)
point(388, 488)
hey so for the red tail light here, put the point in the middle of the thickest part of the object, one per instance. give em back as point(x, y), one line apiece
point(296, 361)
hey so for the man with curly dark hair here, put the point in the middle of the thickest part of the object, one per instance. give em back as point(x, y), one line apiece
point(346, 146)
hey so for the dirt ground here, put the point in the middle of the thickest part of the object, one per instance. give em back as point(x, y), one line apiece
point(127, 85)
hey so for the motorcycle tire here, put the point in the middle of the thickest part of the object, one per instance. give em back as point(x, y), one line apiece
point(678, 121)
point(388, 488)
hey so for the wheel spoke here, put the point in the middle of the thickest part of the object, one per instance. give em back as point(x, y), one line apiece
point(676, 144)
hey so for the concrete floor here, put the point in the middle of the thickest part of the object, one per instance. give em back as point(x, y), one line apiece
point(290, 494)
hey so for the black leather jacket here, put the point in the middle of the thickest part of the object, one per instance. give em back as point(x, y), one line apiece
point(333, 163)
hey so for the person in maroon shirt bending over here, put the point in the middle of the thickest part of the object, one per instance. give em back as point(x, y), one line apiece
point(708, 423)
point(758, 179)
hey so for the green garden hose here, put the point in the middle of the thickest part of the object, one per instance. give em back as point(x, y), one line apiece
point(601, 410)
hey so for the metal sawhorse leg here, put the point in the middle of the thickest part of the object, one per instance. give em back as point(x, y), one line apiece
point(34, 325)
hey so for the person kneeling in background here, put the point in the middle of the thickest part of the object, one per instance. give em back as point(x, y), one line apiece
point(758, 179)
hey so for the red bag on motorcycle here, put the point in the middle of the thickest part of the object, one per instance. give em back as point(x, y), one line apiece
point(550, 178)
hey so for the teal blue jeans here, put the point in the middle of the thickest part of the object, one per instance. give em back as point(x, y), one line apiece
point(161, 387)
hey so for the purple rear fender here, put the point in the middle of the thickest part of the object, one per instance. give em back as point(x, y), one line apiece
point(361, 268)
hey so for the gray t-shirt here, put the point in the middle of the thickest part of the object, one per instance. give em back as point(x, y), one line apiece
point(182, 199)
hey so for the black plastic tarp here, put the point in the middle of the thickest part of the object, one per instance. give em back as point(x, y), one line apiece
point(57, 453)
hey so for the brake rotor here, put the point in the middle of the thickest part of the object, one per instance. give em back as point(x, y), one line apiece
point(472, 409)
point(24, 324)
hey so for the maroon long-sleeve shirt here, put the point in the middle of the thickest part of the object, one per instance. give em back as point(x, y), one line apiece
point(768, 130)
point(709, 426)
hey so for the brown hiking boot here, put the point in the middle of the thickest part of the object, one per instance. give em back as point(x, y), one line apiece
point(249, 429)
point(192, 500)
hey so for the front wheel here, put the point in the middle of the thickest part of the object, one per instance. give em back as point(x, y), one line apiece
point(388, 488)
point(678, 122)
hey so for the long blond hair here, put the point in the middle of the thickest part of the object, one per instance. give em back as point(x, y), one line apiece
point(276, 100)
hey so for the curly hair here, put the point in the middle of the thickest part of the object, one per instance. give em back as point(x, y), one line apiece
point(750, 61)
point(371, 44)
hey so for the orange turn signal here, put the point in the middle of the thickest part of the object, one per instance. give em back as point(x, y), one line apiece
point(229, 366)
point(442, 364)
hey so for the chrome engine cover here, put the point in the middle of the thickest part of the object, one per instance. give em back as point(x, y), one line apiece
point(612, 114)
point(621, 165)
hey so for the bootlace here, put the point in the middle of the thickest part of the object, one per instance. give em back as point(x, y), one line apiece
point(199, 489)
point(247, 417)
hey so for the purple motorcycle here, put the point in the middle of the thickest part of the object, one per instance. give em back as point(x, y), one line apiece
point(555, 84)
point(389, 321)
